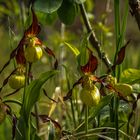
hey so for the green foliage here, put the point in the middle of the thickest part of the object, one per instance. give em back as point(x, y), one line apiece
point(26, 131)
point(33, 92)
point(46, 18)
point(5, 130)
point(67, 12)
point(32, 95)
point(47, 6)
point(83, 56)
point(95, 110)
point(130, 76)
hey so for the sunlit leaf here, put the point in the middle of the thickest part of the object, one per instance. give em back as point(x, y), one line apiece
point(47, 6)
point(130, 76)
point(72, 48)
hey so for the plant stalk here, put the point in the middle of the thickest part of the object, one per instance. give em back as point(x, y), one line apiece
point(37, 117)
point(116, 117)
point(27, 135)
point(35, 106)
point(93, 40)
point(71, 102)
point(26, 82)
point(117, 34)
point(86, 121)
point(73, 114)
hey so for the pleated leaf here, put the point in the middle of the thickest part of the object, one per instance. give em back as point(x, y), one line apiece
point(33, 92)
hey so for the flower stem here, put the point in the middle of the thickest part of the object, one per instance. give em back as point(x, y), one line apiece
point(73, 114)
point(86, 121)
point(37, 116)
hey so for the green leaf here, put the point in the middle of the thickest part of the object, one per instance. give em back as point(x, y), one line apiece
point(84, 55)
point(96, 110)
point(72, 48)
point(5, 130)
point(33, 92)
point(51, 135)
point(46, 18)
point(124, 22)
point(123, 116)
point(22, 130)
point(130, 76)
point(67, 12)
point(47, 6)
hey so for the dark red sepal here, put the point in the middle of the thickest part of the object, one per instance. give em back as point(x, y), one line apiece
point(120, 56)
point(12, 55)
point(51, 53)
point(14, 121)
point(91, 65)
point(69, 94)
point(20, 58)
point(34, 28)
point(45, 93)
point(46, 118)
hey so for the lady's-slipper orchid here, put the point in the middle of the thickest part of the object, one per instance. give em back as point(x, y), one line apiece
point(29, 39)
point(87, 79)
point(34, 51)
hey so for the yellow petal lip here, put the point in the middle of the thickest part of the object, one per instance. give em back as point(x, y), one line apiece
point(32, 54)
point(90, 97)
point(124, 89)
point(16, 81)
